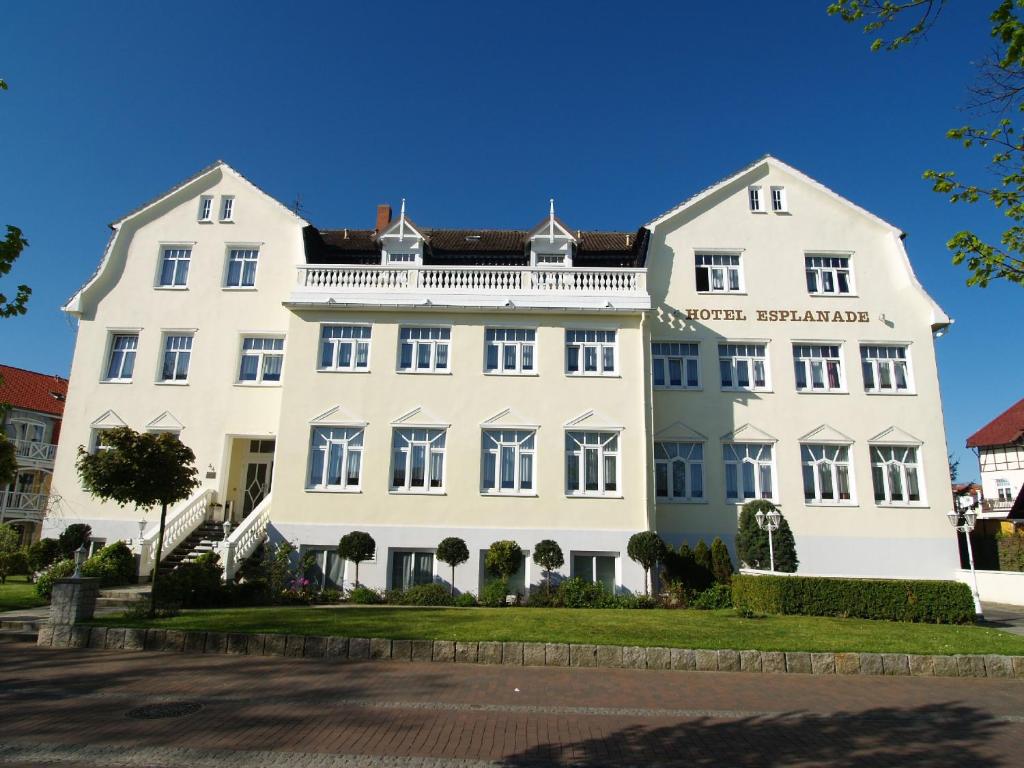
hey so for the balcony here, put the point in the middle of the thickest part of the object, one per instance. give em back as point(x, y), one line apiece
point(483, 287)
point(16, 505)
point(995, 507)
point(33, 453)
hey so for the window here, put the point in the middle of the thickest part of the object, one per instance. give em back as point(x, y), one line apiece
point(826, 470)
point(598, 569)
point(885, 368)
point(743, 366)
point(719, 273)
point(242, 267)
point(97, 443)
point(509, 350)
point(550, 259)
point(679, 471)
point(749, 470)
point(262, 446)
point(590, 353)
point(335, 458)
point(1003, 490)
point(818, 367)
point(262, 359)
point(205, 208)
point(227, 208)
point(327, 570)
point(591, 463)
point(174, 267)
point(417, 460)
point(177, 355)
point(344, 347)
point(828, 275)
point(424, 349)
point(121, 365)
point(754, 197)
point(401, 257)
point(507, 461)
point(410, 569)
point(675, 365)
point(779, 199)
point(894, 474)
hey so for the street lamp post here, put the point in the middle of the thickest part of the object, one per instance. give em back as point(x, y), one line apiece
point(963, 521)
point(769, 522)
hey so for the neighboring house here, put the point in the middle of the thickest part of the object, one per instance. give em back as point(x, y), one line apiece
point(968, 495)
point(764, 339)
point(999, 446)
point(31, 406)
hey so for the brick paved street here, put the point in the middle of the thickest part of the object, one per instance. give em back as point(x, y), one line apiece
point(70, 708)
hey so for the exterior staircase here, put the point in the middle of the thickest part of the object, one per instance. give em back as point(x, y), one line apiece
point(19, 630)
point(202, 540)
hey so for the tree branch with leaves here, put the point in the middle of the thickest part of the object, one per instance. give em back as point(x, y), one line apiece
point(10, 249)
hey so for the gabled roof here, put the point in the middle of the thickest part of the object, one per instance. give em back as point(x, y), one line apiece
point(509, 419)
point(825, 434)
point(1005, 429)
point(419, 417)
point(32, 391)
point(338, 416)
point(894, 436)
point(748, 433)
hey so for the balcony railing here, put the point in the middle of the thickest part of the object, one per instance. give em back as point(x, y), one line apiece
point(32, 450)
point(473, 286)
point(16, 505)
point(996, 505)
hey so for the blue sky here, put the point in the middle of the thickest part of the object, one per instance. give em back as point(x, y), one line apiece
point(477, 113)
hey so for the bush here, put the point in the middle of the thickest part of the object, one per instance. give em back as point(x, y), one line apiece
point(503, 559)
point(328, 596)
point(752, 542)
point(635, 601)
point(365, 596)
point(703, 577)
point(195, 585)
point(43, 554)
point(577, 593)
point(941, 602)
point(494, 592)
point(647, 549)
point(721, 563)
point(466, 600)
point(714, 597)
point(357, 546)
point(73, 537)
point(12, 556)
point(421, 594)
point(543, 598)
point(114, 565)
point(452, 551)
point(59, 570)
point(548, 555)
point(1010, 550)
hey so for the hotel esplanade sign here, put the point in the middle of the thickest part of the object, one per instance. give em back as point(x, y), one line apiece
point(780, 315)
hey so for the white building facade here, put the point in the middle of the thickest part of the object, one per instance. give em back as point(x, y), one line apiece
point(766, 339)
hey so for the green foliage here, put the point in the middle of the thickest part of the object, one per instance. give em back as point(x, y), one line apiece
point(503, 559)
point(702, 561)
point(10, 249)
point(647, 549)
point(279, 568)
point(357, 546)
point(421, 594)
point(1010, 549)
point(452, 551)
point(114, 565)
point(944, 602)
point(328, 596)
point(721, 563)
point(59, 570)
point(494, 592)
point(42, 554)
point(752, 542)
point(73, 537)
point(12, 558)
point(713, 598)
point(8, 460)
point(466, 600)
point(548, 555)
point(577, 593)
point(194, 585)
point(365, 596)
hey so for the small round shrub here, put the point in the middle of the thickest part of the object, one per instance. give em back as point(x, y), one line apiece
point(73, 537)
point(421, 594)
point(466, 600)
point(643, 602)
point(494, 592)
point(577, 593)
point(114, 565)
point(503, 558)
point(43, 554)
point(543, 598)
point(59, 570)
point(365, 596)
point(328, 596)
point(714, 597)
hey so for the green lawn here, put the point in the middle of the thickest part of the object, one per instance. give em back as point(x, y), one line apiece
point(667, 628)
point(17, 594)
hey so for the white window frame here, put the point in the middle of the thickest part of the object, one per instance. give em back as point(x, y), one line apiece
point(165, 342)
point(320, 556)
point(248, 254)
point(687, 355)
point(350, 441)
point(576, 453)
point(834, 266)
point(574, 572)
point(871, 360)
point(409, 258)
point(262, 356)
point(523, 445)
point(601, 347)
point(808, 355)
point(433, 442)
point(728, 266)
point(684, 454)
point(755, 200)
point(443, 339)
point(337, 342)
point(227, 208)
point(749, 356)
point(832, 465)
point(205, 213)
point(178, 254)
point(1004, 491)
point(112, 350)
point(778, 199)
point(94, 440)
point(759, 465)
point(886, 465)
point(502, 345)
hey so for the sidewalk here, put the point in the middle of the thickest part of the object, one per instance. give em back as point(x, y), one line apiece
point(1009, 618)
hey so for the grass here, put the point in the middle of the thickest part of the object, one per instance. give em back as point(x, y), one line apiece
point(18, 594)
point(665, 628)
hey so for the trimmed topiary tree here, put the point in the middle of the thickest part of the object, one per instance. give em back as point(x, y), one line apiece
point(721, 562)
point(72, 537)
point(548, 555)
point(647, 549)
point(452, 551)
point(357, 546)
point(752, 542)
point(502, 560)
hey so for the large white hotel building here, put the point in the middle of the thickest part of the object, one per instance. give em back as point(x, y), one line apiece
point(764, 339)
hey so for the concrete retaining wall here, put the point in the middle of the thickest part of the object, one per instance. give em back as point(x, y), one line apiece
point(997, 586)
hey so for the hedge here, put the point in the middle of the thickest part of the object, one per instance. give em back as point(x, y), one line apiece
point(937, 602)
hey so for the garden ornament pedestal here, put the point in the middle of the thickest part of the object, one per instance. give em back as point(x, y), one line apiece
point(74, 600)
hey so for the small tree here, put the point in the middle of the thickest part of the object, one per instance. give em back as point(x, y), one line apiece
point(452, 551)
point(144, 470)
point(721, 562)
point(702, 575)
point(548, 555)
point(11, 554)
point(42, 554)
point(73, 537)
point(752, 542)
point(503, 559)
point(8, 461)
point(647, 549)
point(357, 546)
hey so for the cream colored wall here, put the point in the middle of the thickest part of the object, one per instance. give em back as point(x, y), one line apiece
point(123, 296)
point(463, 399)
point(773, 247)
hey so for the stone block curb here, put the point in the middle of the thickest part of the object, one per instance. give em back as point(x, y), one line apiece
point(529, 654)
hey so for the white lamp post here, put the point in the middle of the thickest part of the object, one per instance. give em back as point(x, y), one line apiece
point(769, 522)
point(963, 521)
point(142, 531)
point(81, 555)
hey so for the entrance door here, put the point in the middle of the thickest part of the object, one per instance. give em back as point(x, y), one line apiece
point(258, 475)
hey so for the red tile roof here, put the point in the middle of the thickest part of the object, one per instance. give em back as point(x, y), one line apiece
point(32, 391)
point(1004, 429)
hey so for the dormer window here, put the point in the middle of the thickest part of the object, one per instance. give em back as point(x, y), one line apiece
point(551, 242)
point(401, 241)
point(549, 259)
point(401, 257)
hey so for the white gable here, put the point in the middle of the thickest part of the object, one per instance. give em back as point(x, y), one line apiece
point(748, 434)
point(108, 420)
point(592, 420)
point(419, 417)
point(337, 416)
point(894, 436)
point(165, 422)
point(826, 434)
point(679, 431)
point(509, 419)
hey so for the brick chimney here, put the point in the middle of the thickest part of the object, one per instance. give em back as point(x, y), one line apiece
point(383, 217)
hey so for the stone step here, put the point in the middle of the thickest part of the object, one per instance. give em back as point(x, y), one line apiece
point(18, 635)
point(22, 625)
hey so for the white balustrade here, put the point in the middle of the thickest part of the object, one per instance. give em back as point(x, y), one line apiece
point(16, 505)
point(245, 538)
point(180, 522)
point(34, 450)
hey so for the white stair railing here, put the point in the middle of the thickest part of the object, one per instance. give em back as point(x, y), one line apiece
point(245, 538)
point(179, 524)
